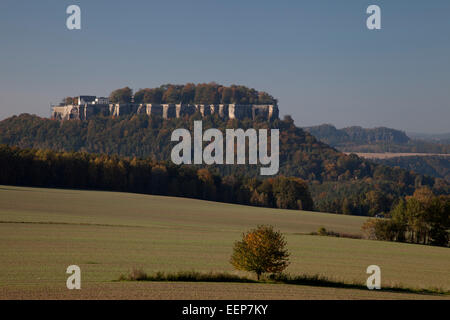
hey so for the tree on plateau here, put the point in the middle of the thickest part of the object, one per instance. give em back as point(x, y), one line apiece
point(261, 250)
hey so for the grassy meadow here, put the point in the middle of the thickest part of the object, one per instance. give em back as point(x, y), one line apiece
point(42, 231)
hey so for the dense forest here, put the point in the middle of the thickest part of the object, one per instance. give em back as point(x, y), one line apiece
point(190, 93)
point(435, 166)
point(421, 218)
point(338, 183)
point(358, 139)
point(46, 168)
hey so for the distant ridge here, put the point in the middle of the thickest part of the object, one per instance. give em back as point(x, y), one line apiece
point(363, 140)
point(438, 137)
point(357, 135)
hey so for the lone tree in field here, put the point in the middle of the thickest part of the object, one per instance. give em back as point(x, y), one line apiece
point(261, 250)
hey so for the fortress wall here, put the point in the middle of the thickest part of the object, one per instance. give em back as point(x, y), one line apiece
point(67, 112)
point(154, 109)
point(231, 109)
point(167, 111)
point(204, 109)
point(121, 109)
point(274, 112)
point(113, 109)
point(87, 112)
point(58, 113)
point(142, 109)
point(223, 110)
point(266, 111)
point(185, 109)
point(240, 111)
point(214, 108)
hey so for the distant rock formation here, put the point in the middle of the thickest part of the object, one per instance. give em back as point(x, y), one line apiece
point(357, 135)
point(166, 111)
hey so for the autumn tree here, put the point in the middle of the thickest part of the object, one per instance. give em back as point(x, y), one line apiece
point(261, 250)
point(420, 218)
point(68, 101)
point(139, 95)
point(172, 95)
point(121, 95)
point(207, 179)
point(226, 94)
point(291, 193)
point(368, 229)
point(188, 93)
point(153, 95)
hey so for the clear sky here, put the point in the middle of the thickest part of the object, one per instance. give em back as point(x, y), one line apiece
point(316, 56)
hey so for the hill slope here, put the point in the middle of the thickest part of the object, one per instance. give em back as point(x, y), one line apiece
point(363, 187)
point(435, 166)
point(107, 233)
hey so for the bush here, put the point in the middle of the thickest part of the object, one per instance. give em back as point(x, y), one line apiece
point(136, 274)
point(322, 231)
point(383, 229)
point(188, 276)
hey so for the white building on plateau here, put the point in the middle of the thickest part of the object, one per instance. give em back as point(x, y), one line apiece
point(101, 100)
point(82, 100)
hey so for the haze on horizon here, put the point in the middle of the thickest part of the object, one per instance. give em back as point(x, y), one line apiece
point(316, 57)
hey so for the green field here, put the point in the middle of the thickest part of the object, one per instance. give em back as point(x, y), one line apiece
point(42, 231)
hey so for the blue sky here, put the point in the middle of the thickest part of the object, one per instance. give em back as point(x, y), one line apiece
point(316, 56)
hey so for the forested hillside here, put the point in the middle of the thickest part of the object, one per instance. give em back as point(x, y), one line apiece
point(338, 183)
point(435, 166)
point(46, 168)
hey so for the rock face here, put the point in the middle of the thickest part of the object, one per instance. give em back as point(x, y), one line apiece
point(166, 111)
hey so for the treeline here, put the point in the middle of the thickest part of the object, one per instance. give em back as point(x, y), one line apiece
point(367, 197)
point(422, 218)
point(190, 93)
point(338, 182)
point(46, 168)
point(435, 166)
